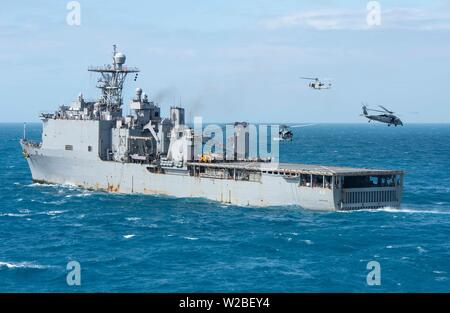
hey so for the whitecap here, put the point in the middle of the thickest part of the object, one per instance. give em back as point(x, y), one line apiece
point(133, 219)
point(13, 214)
point(39, 185)
point(191, 238)
point(441, 278)
point(32, 265)
point(84, 194)
point(75, 225)
point(308, 242)
point(80, 195)
point(421, 250)
point(129, 236)
point(68, 186)
point(396, 210)
point(54, 212)
point(55, 202)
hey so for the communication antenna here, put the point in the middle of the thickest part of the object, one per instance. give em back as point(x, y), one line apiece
point(111, 80)
point(24, 131)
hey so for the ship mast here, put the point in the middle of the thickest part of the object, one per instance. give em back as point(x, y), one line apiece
point(111, 80)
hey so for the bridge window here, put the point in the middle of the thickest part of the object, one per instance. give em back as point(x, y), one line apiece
point(371, 181)
point(69, 147)
point(328, 182)
point(317, 181)
point(305, 180)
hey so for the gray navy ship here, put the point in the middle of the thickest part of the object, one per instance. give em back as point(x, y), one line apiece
point(91, 144)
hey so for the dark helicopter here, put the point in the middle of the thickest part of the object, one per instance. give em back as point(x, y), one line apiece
point(285, 133)
point(386, 117)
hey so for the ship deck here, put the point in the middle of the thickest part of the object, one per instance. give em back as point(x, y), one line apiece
point(297, 168)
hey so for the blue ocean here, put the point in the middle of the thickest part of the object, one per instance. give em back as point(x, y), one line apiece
point(133, 243)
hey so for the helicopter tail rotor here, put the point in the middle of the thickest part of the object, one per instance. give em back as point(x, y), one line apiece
point(364, 108)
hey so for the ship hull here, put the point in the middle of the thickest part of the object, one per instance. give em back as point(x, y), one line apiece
point(130, 178)
point(60, 167)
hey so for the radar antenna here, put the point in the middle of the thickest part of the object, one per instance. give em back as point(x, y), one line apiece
point(111, 80)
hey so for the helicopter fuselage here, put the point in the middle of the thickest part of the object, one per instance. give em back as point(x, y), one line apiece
point(389, 119)
point(319, 86)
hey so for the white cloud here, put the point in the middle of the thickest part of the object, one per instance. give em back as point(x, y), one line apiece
point(396, 18)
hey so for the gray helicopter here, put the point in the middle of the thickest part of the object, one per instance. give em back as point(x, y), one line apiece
point(317, 84)
point(386, 117)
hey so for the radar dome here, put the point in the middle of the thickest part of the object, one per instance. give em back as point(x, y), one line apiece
point(119, 58)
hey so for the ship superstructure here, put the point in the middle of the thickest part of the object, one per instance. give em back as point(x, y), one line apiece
point(91, 144)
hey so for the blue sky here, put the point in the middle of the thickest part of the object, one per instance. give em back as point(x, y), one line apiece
point(235, 59)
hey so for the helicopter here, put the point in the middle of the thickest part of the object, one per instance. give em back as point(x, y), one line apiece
point(317, 84)
point(387, 116)
point(286, 134)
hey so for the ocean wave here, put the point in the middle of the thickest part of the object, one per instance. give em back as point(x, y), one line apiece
point(26, 213)
point(133, 219)
point(129, 236)
point(39, 185)
point(68, 186)
point(31, 265)
point(396, 210)
point(80, 195)
point(14, 214)
point(421, 250)
point(75, 225)
point(51, 213)
point(190, 238)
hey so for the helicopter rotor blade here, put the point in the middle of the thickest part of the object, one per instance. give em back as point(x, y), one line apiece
point(386, 109)
point(305, 125)
point(375, 110)
point(309, 78)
